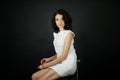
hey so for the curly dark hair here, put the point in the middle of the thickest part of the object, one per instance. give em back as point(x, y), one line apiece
point(66, 18)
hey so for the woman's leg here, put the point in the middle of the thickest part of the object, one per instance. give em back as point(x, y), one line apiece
point(39, 73)
point(50, 75)
point(54, 77)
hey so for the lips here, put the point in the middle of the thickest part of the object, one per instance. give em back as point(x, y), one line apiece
point(59, 25)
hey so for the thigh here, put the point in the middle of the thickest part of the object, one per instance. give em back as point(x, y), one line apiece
point(54, 77)
point(39, 73)
point(50, 75)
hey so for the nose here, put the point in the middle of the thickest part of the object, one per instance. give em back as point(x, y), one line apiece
point(60, 21)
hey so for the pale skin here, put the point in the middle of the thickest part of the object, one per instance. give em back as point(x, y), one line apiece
point(46, 73)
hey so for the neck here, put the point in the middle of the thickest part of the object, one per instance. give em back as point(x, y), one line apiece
point(61, 29)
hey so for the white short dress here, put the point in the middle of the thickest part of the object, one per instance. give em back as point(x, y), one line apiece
point(68, 66)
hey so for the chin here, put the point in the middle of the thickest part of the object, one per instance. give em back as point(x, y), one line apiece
point(60, 26)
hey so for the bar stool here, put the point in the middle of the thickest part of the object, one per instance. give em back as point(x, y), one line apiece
point(73, 77)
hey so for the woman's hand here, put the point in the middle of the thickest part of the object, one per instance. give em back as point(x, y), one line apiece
point(44, 60)
point(40, 67)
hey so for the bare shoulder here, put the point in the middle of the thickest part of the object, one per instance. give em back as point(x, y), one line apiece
point(70, 35)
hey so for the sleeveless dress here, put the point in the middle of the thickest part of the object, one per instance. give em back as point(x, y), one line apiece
point(69, 65)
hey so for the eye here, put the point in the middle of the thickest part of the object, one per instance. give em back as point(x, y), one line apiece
point(56, 19)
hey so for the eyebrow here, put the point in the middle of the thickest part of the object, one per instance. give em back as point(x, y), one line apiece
point(60, 17)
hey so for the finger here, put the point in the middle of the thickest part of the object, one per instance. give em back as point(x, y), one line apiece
point(38, 68)
point(43, 61)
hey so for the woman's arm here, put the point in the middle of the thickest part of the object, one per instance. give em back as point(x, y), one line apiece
point(53, 57)
point(64, 53)
point(46, 60)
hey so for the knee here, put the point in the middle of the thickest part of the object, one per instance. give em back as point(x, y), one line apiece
point(33, 76)
point(42, 78)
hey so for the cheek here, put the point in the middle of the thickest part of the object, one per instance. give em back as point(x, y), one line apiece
point(56, 22)
point(63, 23)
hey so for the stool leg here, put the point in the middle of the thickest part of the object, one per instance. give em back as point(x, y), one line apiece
point(77, 74)
point(78, 61)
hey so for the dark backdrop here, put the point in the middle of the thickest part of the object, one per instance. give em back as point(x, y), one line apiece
point(26, 36)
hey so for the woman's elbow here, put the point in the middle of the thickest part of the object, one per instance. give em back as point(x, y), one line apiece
point(64, 58)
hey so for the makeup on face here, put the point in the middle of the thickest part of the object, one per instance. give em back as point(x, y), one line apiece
point(59, 21)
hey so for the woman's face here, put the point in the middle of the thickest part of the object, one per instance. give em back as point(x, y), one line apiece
point(59, 21)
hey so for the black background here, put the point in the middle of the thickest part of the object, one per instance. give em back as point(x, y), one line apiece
point(26, 36)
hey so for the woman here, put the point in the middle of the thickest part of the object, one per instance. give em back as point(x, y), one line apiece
point(63, 63)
